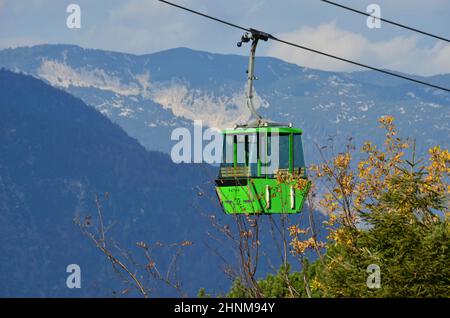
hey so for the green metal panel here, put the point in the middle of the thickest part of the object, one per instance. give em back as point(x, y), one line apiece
point(251, 198)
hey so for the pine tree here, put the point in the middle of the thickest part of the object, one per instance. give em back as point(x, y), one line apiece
point(404, 236)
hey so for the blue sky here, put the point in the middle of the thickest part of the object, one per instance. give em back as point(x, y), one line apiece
point(146, 26)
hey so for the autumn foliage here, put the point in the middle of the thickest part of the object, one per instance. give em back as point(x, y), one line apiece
point(388, 209)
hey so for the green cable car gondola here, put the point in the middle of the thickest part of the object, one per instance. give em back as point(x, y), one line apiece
point(263, 168)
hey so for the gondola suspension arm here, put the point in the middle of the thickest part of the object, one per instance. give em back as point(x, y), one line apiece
point(254, 37)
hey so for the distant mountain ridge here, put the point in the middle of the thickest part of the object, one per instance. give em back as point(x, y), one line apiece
point(56, 153)
point(149, 95)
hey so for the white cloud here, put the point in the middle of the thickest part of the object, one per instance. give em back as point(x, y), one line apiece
point(143, 26)
point(415, 4)
point(400, 53)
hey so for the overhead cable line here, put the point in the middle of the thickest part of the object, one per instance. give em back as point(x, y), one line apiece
point(308, 48)
point(362, 65)
point(205, 15)
point(387, 21)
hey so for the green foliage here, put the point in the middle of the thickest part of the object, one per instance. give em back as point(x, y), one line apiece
point(203, 294)
point(402, 235)
point(284, 284)
point(405, 233)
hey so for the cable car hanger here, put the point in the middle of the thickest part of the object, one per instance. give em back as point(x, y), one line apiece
point(254, 36)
